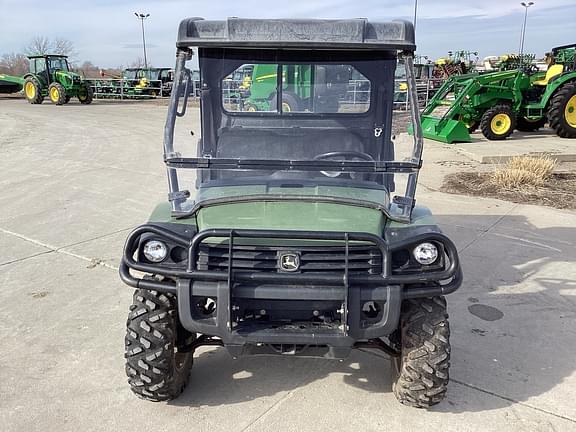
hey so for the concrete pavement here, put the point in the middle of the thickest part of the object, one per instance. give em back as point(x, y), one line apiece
point(75, 179)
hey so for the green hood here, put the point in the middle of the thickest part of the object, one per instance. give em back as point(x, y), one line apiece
point(276, 214)
point(301, 216)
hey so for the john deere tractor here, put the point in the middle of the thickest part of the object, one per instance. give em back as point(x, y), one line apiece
point(50, 75)
point(500, 102)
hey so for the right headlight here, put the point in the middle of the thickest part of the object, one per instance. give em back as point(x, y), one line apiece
point(425, 253)
point(155, 251)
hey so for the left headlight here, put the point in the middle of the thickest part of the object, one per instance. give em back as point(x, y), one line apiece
point(425, 253)
point(155, 251)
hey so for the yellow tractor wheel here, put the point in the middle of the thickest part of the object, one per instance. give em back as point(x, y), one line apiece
point(57, 93)
point(498, 122)
point(562, 112)
point(32, 91)
point(85, 94)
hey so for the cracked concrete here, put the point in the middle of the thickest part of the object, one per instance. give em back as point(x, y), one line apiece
point(66, 206)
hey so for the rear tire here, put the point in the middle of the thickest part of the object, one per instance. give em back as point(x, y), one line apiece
point(156, 370)
point(32, 91)
point(498, 122)
point(562, 112)
point(525, 125)
point(422, 368)
point(57, 93)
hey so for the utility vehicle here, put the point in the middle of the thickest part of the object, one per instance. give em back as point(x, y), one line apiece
point(293, 241)
point(50, 75)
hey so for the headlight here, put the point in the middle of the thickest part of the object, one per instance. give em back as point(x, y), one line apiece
point(425, 253)
point(155, 251)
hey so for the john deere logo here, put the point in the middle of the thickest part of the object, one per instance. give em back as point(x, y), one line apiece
point(289, 262)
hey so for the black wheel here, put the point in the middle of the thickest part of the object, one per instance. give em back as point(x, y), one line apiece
point(422, 368)
point(32, 91)
point(290, 102)
point(526, 125)
point(156, 370)
point(562, 112)
point(85, 94)
point(57, 93)
point(498, 122)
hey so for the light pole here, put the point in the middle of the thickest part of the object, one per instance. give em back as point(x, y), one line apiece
point(142, 17)
point(415, 13)
point(526, 6)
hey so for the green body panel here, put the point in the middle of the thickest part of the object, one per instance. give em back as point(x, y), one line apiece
point(301, 216)
point(296, 79)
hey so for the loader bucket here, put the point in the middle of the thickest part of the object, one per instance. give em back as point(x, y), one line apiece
point(447, 131)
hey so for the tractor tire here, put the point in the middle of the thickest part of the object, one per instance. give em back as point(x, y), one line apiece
point(156, 370)
point(57, 93)
point(423, 365)
point(498, 122)
point(85, 94)
point(562, 111)
point(32, 91)
point(525, 125)
point(290, 102)
point(67, 99)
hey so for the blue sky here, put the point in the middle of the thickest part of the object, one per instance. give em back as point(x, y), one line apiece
point(107, 33)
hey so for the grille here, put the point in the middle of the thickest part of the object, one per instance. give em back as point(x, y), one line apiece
point(361, 259)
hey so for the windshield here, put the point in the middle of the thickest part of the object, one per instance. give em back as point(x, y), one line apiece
point(58, 63)
point(318, 127)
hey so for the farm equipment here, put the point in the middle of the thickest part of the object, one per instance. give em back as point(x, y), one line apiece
point(297, 85)
point(50, 75)
point(457, 63)
point(10, 83)
point(499, 102)
point(294, 241)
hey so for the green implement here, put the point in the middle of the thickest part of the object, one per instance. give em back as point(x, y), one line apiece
point(10, 84)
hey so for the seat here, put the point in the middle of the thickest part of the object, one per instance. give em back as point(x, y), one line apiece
point(552, 71)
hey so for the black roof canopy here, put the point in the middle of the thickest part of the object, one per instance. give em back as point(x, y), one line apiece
point(357, 34)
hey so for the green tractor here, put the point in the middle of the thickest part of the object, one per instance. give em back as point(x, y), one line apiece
point(299, 83)
point(500, 102)
point(50, 75)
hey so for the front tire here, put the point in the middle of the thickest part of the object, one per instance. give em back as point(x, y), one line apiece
point(562, 112)
point(422, 368)
point(57, 93)
point(85, 94)
point(498, 122)
point(156, 370)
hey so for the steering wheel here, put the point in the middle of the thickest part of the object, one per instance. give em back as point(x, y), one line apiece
point(346, 155)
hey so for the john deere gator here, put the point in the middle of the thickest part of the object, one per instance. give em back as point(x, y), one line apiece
point(296, 238)
point(500, 102)
point(50, 75)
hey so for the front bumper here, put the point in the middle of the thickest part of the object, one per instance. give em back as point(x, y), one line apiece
point(228, 287)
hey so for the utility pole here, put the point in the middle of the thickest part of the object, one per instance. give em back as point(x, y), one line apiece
point(415, 13)
point(526, 6)
point(142, 17)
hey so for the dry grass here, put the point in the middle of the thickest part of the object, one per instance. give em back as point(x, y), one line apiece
point(523, 171)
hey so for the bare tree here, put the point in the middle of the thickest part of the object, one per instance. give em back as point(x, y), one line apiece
point(63, 47)
point(14, 64)
point(42, 45)
point(39, 45)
